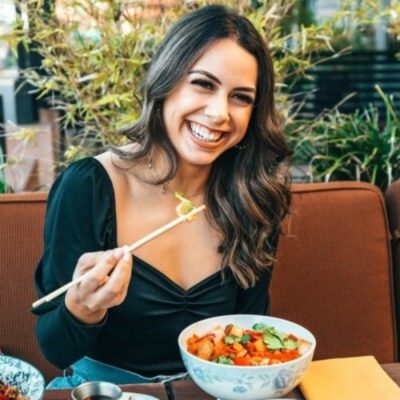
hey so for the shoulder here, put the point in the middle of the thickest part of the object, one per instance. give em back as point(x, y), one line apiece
point(122, 171)
point(84, 175)
point(84, 168)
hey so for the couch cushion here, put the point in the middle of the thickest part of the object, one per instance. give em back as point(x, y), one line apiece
point(392, 197)
point(21, 244)
point(333, 272)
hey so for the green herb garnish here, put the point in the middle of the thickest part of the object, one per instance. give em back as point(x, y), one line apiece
point(223, 360)
point(230, 339)
point(275, 340)
point(245, 339)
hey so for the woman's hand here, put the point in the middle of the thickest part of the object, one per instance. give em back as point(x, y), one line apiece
point(106, 281)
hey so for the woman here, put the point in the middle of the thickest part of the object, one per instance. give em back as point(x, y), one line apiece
point(208, 129)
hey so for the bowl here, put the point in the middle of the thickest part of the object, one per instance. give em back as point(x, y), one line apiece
point(24, 376)
point(232, 382)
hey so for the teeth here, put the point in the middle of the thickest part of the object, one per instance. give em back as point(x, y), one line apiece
point(203, 133)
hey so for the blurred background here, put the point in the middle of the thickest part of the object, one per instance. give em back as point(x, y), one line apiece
point(70, 72)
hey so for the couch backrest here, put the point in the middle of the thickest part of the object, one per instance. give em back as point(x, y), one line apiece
point(392, 197)
point(21, 243)
point(333, 272)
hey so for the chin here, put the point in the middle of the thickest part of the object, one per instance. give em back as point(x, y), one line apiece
point(198, 161)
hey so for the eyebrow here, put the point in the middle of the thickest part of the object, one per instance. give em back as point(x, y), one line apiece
point(215, 79)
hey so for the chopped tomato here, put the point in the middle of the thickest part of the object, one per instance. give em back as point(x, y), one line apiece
point(242, 361)
point(253, 334)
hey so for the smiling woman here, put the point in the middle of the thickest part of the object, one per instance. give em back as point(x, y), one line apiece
point(209, 110)
point(208, 129)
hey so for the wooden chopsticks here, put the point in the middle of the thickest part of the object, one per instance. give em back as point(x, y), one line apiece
point(132, 247)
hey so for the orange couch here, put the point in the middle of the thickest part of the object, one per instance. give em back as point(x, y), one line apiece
point(21, 242)
point(392, 197)
point(333, 272)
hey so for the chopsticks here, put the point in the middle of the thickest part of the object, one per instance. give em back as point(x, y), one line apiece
point(134, 246)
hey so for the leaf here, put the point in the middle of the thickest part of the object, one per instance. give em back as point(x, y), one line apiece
point(110, 98)
point(230, 339)
point(259, 327)
point(290, 344)
point(245, 338)
point(3, 187)
point(224, 360)
point(28, 135)
point(272, 341)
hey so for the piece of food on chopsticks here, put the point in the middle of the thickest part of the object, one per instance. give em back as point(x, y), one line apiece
point(261, 345)
point(185, 206)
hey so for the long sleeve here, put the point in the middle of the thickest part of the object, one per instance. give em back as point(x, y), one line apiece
point(80, 218)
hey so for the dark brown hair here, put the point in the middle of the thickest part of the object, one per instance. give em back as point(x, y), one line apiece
point(247, 196)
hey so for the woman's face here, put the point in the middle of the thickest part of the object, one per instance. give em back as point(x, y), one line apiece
point(209, 110)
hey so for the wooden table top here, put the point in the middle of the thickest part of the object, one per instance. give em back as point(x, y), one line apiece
point(187, 390)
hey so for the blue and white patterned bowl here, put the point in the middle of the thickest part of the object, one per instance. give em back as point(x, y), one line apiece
point(28, 380)
point(232, 382)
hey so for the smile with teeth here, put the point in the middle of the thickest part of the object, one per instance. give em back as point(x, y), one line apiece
point(203, 133)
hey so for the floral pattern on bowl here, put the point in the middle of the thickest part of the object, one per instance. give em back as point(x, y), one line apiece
point(278, 381)
point(28, 379)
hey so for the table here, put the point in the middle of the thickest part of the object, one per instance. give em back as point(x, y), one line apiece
point(187, 390)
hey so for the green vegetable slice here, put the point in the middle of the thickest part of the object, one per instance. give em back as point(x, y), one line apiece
point(272, 341)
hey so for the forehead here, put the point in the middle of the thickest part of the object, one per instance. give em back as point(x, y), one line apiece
point(225, 58)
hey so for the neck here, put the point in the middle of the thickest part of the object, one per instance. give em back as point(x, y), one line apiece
point(189, 179)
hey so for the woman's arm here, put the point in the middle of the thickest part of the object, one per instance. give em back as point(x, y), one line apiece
point(79, 220)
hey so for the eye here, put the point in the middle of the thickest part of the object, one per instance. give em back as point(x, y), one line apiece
point(204, 83)
point(244, 98)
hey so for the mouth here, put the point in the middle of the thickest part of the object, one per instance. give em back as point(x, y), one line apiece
point(200, 132)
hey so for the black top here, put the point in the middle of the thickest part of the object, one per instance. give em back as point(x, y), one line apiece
point(140, 334)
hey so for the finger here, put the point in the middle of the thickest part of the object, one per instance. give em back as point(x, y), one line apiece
point(97, 276)
point(113, 292)
point(87, 261)
point(121, 275)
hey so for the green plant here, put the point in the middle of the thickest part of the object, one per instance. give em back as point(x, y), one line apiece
point(3, 184)
point(95, 53)
point(393, 15)
point(91, 69)
point(360, 146)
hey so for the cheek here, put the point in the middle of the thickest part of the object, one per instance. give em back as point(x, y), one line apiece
point(244, 121)
point(177, 107)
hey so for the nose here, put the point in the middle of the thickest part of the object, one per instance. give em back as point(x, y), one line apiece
point(217, 109)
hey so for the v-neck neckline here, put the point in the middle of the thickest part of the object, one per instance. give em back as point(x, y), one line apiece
point(171, 282)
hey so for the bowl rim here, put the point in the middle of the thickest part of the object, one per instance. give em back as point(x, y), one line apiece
point(40, 374)
point(309, 351)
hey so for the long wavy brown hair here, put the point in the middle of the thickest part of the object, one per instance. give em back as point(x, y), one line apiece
point(247, 194)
